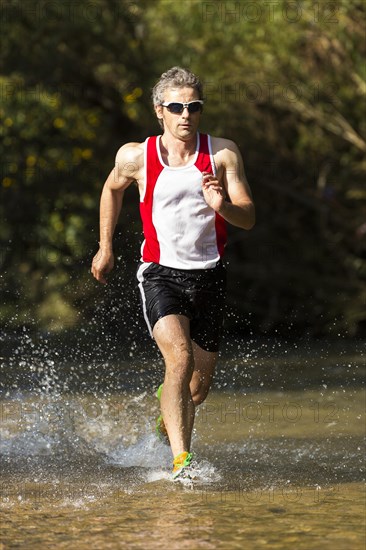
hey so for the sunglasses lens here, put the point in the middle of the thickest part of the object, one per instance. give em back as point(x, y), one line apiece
point(194, 107)
point(175, 107)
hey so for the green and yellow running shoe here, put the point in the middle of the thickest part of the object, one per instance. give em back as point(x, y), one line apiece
point(182, 466)
point(160, 427)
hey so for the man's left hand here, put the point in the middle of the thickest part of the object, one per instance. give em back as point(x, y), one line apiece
point(213, 191)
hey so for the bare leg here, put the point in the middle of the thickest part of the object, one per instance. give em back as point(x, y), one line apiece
point(204, 367)
point(171, 334)
point(188, 376)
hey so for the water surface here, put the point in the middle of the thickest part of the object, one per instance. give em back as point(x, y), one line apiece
point(278, 469)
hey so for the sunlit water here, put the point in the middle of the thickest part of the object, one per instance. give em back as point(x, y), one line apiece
point(278, 468)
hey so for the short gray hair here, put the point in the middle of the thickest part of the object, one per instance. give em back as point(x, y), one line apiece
point(176, 77)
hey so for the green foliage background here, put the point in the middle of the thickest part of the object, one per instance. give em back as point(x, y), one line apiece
point(285, 80)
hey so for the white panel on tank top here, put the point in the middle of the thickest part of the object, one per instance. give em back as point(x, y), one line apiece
point(184, 223)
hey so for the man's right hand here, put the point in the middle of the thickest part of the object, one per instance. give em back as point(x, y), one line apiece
point(102, 264)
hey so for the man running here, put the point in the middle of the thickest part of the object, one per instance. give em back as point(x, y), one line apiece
point(190, 185)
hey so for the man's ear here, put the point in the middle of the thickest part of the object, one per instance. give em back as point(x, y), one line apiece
point(159, 111)
point(159, 114)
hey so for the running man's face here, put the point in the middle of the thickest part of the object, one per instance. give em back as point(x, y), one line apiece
point(181, 125)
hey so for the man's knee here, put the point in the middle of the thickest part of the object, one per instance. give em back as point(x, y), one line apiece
point(199, 393)
point(179, 364)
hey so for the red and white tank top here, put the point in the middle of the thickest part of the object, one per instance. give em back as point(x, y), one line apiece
point(180, 229)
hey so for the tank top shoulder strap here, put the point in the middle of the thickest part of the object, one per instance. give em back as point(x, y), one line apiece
point(153, 166)
point(204, 160)
point(153, 162)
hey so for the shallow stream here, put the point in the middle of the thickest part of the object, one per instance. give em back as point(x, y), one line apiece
point(279, 445)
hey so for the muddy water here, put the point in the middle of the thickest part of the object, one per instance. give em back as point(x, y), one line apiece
point(277, 470)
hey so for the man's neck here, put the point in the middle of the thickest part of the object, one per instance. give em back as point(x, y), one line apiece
point(178, 148)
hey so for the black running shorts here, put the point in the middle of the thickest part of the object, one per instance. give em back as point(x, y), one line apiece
point(199, 294)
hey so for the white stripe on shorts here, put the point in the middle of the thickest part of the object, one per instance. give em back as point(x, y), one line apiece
point(140, 278)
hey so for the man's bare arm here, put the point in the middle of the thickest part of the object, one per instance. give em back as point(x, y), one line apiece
point(110, 207)
point(239, 210)
point(128, 161)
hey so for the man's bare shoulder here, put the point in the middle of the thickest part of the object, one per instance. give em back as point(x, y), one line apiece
point(132, 152)
point(129, 164)
point(225, 151)
point(221, 145)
